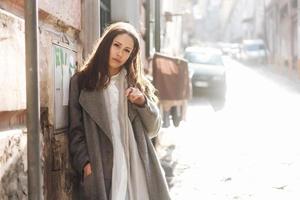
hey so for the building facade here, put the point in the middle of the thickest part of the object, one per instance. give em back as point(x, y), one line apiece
point(282, 34)
point(244, 20)
point(274, 21)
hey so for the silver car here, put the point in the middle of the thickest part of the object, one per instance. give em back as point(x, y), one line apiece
point(206, 69)
point(254, 52)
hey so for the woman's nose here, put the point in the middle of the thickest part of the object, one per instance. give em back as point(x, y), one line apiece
point(119, 53)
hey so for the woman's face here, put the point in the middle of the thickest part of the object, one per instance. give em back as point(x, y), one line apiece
point(120, 51)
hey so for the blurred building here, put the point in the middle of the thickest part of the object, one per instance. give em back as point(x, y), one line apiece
point(67, 31)
point(226, 10)
point(274, 21)
point(207, 20)
point(282, 32)
point(172, 26)
point(244, 20)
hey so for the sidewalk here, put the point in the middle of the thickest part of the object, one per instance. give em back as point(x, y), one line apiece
point(166, 144)
point(289, 79)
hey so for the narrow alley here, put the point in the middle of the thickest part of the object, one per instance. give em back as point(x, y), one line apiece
point(237, 141)
point(247, 149)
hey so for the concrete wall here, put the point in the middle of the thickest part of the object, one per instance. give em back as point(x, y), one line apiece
point(12, 62)
point(68, 12)
point(13, 160)
point(59, 23)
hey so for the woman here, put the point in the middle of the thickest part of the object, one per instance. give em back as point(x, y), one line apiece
point(113, 115)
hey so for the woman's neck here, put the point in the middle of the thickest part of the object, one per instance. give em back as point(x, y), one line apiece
point(113, 72)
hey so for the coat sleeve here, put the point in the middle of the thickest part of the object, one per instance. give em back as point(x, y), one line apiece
point(76, 135)
point(150, 116)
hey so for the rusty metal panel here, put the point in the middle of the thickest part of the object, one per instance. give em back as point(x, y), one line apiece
point(171, 77)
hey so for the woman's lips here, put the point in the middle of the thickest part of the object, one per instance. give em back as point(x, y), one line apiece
point(117, 60)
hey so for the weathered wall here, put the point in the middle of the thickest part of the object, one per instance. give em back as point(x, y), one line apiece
point(67, 11)
point(57, 170)
point(60, 24)
point(12, 63)
point(58, 175)
point(13, 162)
point(65, 18)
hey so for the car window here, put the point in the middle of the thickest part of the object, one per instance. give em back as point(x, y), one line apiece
point(254, 47)
point(202, 58)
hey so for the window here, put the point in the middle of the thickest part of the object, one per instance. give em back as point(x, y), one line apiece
point(150, 27)
point(294, 3)
point(283, 11)
point(105, 18)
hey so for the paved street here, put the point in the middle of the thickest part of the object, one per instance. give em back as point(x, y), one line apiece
point(247, 148)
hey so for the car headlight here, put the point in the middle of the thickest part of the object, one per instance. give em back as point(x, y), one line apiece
point(218, 78)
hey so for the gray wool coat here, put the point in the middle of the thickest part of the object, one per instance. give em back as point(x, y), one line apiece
point(90, 141)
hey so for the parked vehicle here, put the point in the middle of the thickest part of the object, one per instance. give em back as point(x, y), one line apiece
point(207, 70)
point(235, 51)
point(254, 52)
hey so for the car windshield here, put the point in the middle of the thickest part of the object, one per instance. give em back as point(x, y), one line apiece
point(203, 58)
point(254, 47)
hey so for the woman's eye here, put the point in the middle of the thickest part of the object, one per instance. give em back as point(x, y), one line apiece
point(116, 45)
point(127, 51)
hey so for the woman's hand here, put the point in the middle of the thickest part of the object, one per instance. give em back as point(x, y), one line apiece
point(135, 96)
point(87, 170)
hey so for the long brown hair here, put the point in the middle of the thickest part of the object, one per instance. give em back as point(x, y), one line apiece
point(94, 74)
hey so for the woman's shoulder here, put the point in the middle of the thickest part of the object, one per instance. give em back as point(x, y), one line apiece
point(76, 80)
point(76, 77)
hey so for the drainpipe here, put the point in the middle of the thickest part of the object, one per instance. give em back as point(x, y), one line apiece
point(147, 28)
point(33, 103)
point(157, 25)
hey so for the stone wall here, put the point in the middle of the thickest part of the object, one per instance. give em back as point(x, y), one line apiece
point(13, 162)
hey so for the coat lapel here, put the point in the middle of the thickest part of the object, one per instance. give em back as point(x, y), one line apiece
point(131, 112)
point(94, 104)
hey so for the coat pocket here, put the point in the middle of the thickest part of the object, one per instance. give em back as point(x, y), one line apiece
point(87, 187)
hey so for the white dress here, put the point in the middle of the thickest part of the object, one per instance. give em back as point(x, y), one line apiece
point(128, 176)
